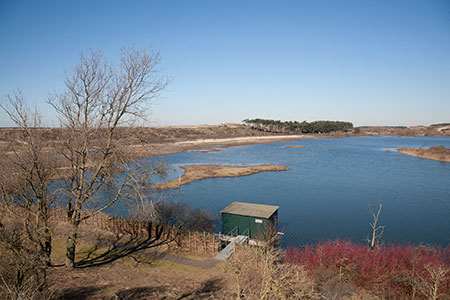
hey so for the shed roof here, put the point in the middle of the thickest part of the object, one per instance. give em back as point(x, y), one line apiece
point(250, 209)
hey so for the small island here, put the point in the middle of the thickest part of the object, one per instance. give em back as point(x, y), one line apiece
point(440, 153)
point(198, 172)
point(294, 147)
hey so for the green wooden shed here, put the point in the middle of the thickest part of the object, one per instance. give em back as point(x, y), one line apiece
point(258, 221)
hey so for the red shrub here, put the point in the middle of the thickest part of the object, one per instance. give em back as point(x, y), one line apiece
point(394, 271)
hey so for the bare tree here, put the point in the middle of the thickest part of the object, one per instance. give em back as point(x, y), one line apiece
point(27, 170)
point(377, 231)
point(97, 100)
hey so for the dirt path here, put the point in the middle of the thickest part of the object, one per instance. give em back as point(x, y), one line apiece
point(201, 264)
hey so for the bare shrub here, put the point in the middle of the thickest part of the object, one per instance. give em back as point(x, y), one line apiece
point(259, 273)
point(432, 285)
point(24, 187)
point(185, 217)
point(201, 220)
point(22, 270)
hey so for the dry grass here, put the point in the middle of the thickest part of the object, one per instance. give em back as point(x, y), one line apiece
point(406, 131)
point(143, 135)
point(136, 277)
point(294, 147)
point(139, 142)
point(440, 153)
point(198, 172)
point(104, 272)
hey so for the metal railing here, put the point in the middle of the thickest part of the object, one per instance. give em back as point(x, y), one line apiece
point(233, 232)
point(246, 232)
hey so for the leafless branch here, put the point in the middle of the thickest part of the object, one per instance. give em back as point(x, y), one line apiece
point(97, 100)
point(377, 231)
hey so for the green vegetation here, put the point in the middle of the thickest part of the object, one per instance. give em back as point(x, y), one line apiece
point(299, 127)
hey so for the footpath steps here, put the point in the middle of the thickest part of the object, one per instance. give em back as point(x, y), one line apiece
point(229, 249)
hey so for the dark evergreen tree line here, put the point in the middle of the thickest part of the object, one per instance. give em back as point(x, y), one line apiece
point(300, 127)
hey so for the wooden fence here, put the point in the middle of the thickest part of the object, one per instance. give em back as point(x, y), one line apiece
point(175, 238)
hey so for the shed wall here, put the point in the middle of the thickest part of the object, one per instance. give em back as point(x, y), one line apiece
point(256, 230)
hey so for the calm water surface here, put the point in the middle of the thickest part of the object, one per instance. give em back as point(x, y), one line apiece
point(331, 187)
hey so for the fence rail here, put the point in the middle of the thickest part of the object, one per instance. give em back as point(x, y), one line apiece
point(175, 238)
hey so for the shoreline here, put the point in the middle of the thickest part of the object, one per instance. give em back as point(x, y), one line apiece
point(140, 151)
point(139, 143)
point(207, 145)
point(198, 172)
point(439, 153)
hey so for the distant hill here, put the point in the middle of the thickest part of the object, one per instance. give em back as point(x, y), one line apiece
point(433, 130)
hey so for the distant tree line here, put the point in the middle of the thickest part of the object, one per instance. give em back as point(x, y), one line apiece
point(295, 126)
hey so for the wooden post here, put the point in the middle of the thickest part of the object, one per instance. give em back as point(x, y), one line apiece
point(189, 241)
point(195, 242)
point(204, 241)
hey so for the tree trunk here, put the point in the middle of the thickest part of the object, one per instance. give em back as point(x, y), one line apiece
point(71, 244)
point(372, 242)
point(47, 247)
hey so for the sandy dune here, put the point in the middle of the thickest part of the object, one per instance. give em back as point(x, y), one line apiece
point(243, 139)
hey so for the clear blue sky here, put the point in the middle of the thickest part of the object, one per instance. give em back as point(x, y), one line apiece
point(369, 62)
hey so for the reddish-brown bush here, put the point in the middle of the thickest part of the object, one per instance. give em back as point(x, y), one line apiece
point(398, 271)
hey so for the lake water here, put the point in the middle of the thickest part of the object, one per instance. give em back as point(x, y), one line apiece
point(331, 187)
